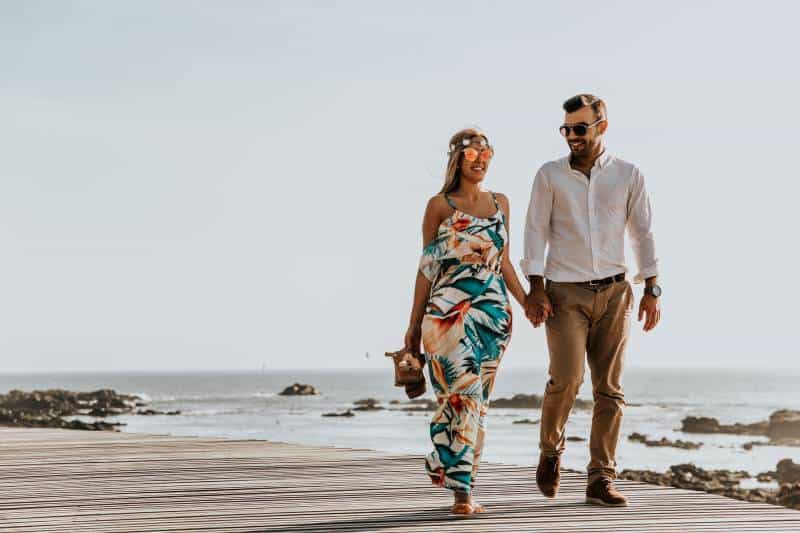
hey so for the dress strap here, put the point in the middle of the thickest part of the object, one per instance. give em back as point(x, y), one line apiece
point(449, 201)
point(494, 197)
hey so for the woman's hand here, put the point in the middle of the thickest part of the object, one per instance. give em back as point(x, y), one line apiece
point(413, 338)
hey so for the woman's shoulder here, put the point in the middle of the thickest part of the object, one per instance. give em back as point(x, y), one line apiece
point(438, 204)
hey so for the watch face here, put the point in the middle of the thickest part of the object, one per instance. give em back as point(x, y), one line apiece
point(655, 290)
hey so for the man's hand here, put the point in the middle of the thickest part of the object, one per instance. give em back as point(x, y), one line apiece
point(538, 308)
point(649, 308)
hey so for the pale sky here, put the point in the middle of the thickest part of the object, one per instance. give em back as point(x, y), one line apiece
point(221, 185)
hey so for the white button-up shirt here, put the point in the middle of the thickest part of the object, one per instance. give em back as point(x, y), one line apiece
point(582, 222)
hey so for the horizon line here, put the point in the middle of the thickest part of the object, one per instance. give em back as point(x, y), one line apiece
point(257, 370)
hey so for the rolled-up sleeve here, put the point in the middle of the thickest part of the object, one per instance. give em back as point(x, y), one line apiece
point(537, 226)
point(639, 226)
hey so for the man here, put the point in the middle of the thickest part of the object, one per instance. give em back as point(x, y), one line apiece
point(580, 207)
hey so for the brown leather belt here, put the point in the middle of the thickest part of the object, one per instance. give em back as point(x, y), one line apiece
point(605, 281)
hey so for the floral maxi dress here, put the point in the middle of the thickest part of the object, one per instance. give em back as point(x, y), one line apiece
point(466, 329)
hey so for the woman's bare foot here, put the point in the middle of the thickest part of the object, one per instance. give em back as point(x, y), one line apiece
point(465, 505)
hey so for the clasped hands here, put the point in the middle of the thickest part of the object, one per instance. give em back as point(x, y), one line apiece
point(538, 309)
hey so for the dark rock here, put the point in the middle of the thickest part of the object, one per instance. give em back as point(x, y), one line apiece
point(789, 496)
point(767, 477)
point(100, 412)
point(576, 439)
point(150, 412)
point(367, 401)
point(47, 408)
point(772, 442)
point(348, 413)
point(788, 471)
point(91, 426)
point(689, 476)
point(394, 402)
point(518, 401)
point(525, 421)
point(702, 424)
point(784, 424)
point(531, 401)
point(684, 445)
point(59, 402)
point(299, 389)
point(368, 404)
point(722, 482)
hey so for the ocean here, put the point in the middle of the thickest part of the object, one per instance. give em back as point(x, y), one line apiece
point(246, 405)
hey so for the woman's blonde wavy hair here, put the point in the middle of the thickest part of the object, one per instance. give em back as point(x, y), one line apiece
point(452, 177)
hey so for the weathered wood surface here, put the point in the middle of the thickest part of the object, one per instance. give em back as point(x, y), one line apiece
point(59, 480)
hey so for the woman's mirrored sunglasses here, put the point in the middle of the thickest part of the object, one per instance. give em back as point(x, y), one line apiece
point(580, 129)
point(471, 154)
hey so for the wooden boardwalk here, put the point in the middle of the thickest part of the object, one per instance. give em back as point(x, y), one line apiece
point(57, 480)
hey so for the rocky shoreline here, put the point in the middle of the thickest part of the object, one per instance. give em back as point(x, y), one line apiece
point(58, 408)
point(684, 445)
point(532, 401)
point(727, 482)
point(783, 426)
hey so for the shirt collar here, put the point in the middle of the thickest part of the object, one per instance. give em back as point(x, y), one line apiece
point(601, 162)
point(604, 159)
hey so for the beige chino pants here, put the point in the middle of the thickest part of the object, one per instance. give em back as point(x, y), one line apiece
point(590, 324)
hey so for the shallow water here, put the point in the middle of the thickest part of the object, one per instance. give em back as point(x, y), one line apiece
point(246, 405)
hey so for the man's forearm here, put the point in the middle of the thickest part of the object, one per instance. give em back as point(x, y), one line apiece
point(537, 283)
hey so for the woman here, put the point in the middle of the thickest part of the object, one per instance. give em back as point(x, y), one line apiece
point(461, 311)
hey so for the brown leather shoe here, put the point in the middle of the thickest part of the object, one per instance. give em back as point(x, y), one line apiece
point(603, 492)
point(548, 475)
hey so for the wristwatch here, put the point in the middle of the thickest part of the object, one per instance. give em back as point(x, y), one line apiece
point(653, 290)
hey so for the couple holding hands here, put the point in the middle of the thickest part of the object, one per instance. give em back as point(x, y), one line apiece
point(580, 207)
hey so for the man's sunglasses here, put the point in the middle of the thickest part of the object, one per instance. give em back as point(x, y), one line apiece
point(580, 129)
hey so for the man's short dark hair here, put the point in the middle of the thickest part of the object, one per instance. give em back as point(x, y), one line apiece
point(582, 100)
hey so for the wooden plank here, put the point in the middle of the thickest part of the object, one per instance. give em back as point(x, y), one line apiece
point(59, 480)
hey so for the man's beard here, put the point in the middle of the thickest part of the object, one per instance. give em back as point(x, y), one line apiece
point(584, 151)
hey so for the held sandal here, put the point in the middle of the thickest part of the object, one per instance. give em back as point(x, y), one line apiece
point(408, 372)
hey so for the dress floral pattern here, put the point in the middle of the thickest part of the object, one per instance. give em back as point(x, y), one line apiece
point(466, 329)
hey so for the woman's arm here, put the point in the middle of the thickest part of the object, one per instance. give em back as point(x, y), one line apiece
point(422, 287)
point(509, 274)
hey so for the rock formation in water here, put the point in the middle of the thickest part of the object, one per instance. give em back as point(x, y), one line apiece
point(703, 424)
point(299, 389)
point(782, 428)
point(684, 445)
point(368, 404)
point(531, 401)
point(48, 408)
point(347, 413)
